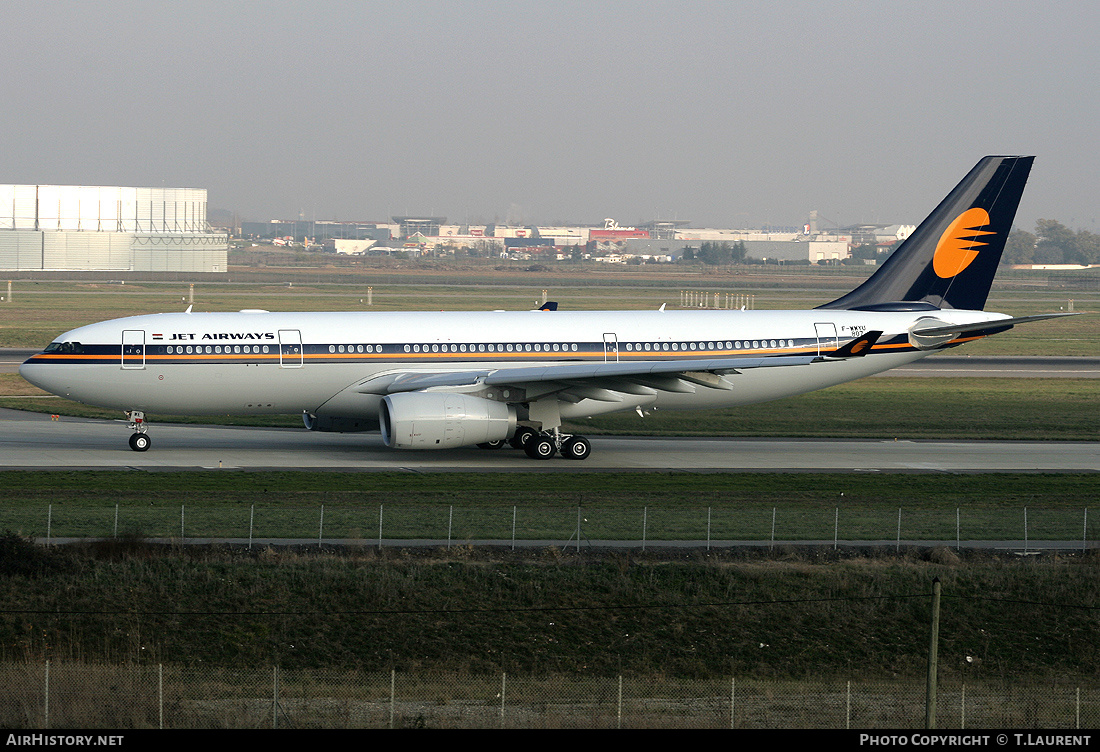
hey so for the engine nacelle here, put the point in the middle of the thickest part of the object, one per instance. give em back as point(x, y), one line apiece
point(337, 424)
point(440, 420)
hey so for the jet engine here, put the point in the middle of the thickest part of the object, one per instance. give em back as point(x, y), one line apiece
point(440, 420)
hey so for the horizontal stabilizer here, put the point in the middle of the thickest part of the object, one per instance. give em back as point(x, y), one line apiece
point(988, 327)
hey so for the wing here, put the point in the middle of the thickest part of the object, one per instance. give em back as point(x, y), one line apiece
point(607, 381)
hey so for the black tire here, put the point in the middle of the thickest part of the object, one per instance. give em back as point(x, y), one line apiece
point(540, 448)
point(522, 437)
point(576, 448)
point(492, 444)
point(140, 442)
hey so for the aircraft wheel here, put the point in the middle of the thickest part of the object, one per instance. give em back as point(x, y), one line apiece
point(540, 448)
point(522, 437)
point(576, 448)
point(139, 442)
point(492, 444)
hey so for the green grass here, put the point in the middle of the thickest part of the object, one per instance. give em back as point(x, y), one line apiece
point(553, 613)
point(42, 309)
point(616, 506)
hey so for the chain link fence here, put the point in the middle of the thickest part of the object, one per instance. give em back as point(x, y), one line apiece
point(402, 524)
point(79, 695)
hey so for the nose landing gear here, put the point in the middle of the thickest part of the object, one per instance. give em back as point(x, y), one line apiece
point(139, 440)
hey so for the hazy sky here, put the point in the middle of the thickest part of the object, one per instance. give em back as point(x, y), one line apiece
point(721, 113)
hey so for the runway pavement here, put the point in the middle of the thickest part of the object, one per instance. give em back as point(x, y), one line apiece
point(35, 441)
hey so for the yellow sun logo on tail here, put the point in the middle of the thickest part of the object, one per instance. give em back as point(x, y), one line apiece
point(960, 242)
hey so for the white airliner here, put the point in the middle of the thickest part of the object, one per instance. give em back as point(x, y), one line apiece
point(441, 380)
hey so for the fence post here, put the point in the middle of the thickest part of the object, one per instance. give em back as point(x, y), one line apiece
point(708, 528)
point(450, 522)
point(1085, 531)
point(933, 658)
point(379, 527)
point(274, 697)
point(49, 523)
point(836, 526)
point(958, 539)
point(183, 538)
point(645, 515)
point(513, 527)
point(620, 713)
point(251, 519)
point(848, 708)
point(160, 694)
point(503, 687)
point(321, 527)
point(897, 548)
point(46, 724)
point(1025, 530)
point(116, 521)
point(733, 698)
point(393, 675)
point(772, 546)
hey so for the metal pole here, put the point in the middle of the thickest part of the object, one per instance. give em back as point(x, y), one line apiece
point(897, 548)
point(708, 528)
point(645, 514)
point(275, 697)
point(513, 527)
point(450, 523)
point(933, 658)
point(160, 692)
point(49, 523)
point(772, 546)
point(251, 519)
point(393, 675)
point(182, 536)
point(321, 526)
point(1025, 530)
point(379, 527)
point(620, 722)
point(503, 686)
point(47, 692)
point(836, 526)
point(1085, 531)
point(733, 698)
point(116, 521)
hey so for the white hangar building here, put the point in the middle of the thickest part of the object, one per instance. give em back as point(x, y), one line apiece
point(70, 227)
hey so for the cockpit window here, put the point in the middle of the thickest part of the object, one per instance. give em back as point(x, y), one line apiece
point(64, 347)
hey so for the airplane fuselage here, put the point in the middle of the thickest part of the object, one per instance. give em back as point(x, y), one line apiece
point(323, 363)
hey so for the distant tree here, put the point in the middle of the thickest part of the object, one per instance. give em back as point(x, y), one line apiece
point(1019, 248)
point(865, 252)
point(688, 254)
point(1057, 244)
point(1088, 246)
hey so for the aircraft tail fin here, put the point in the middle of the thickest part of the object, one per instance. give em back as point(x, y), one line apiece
point(950, 259)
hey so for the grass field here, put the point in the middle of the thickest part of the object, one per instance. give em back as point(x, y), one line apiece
point(790, 612)
point(41, 309)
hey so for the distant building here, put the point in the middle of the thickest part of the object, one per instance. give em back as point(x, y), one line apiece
point(108, 228)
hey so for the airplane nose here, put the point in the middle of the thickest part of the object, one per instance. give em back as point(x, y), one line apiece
point(43, 375)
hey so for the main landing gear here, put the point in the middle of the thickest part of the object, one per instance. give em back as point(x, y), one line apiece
point(544, 445)
point(139, 440)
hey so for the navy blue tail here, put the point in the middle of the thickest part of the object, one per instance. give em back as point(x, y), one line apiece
point(951, 258)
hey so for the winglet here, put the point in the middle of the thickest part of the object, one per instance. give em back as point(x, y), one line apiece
point(549, 305)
